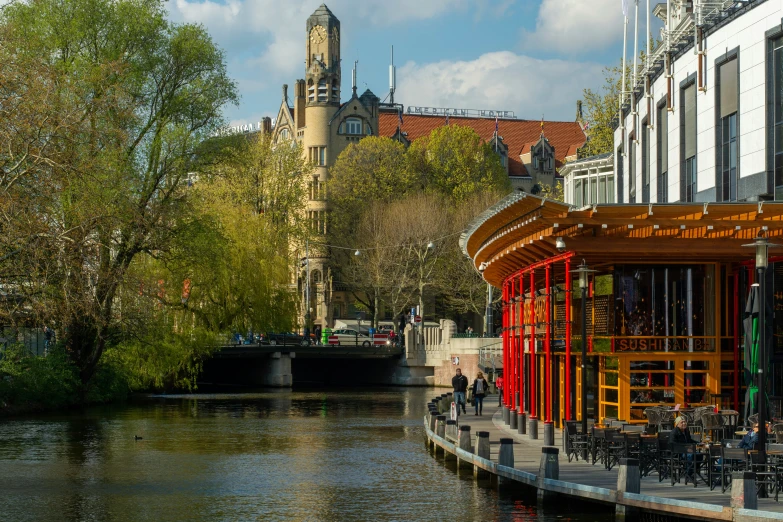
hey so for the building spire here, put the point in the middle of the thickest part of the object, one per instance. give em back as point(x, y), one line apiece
point(355, 64)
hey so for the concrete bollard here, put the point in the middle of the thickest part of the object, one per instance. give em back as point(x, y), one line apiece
point(522, 423)
point(451, 430)
point(463, 438)
point(451, 436)
point(629, 480)
point(482, 450)
point(506, 458)
point(441, 426)
point(549, 468)
point(512, 419)
point(743, 491)
point(433, 424)
point(549, 434)
point(504, 413)
point(532, 428)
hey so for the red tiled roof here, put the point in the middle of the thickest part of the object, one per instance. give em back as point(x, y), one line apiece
point(518, 135)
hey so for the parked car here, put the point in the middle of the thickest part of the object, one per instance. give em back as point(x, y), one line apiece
point(349, 337)
point(286, 339)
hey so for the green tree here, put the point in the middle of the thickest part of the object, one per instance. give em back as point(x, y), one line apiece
point(141, 94)
point(600, 111)
point(455, 161)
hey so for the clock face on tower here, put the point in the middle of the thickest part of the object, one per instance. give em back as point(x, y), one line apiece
point(317, 34)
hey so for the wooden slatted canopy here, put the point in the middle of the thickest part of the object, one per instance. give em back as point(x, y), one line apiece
point(522, 229)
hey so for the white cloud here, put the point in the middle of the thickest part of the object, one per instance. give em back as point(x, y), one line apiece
point(578, 26)
point(500, 80)
point(271, 32)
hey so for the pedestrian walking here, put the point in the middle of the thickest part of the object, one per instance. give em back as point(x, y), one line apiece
point(460, 384)
point(480, 388)
point(499, 386)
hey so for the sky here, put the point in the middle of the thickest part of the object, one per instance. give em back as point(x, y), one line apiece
point(533, 57)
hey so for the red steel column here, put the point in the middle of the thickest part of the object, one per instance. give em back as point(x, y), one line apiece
point(548, 343)
point(736, 340)
point(512, 385)
point(521, 404)
point(506, 344)
point(533, 381)
point(567, 364)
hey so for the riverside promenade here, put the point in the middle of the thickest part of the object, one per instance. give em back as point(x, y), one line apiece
point(583, 480)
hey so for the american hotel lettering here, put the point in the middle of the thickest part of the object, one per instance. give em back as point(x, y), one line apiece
point(663, 344)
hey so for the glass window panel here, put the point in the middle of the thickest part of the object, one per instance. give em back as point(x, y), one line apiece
point(777, 59)
point(652, 396)
point(695, 379)
point(697, 396)
point(602, 189)
point(652, 380)
point(652, 365)
point(610, 189)
point(610, 395)
point(696, 365)
point(593, 191)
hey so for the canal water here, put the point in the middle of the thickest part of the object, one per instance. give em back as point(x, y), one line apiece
point(309, 455)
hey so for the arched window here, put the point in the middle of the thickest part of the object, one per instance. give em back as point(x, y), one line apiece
point(353, 126)
point(310, 91)
point(284, 135)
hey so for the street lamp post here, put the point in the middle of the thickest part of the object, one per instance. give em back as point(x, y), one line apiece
point(306, 262)
point(584, 273)
point(762, 248)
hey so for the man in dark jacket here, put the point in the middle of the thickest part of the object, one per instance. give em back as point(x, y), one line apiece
point(460, 384)
point(680, 434)
point(751, 439)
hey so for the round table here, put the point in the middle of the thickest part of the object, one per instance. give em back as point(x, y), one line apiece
point(742, 433)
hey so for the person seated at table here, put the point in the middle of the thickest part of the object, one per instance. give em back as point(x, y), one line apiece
point(751, 438)
point(680, 434)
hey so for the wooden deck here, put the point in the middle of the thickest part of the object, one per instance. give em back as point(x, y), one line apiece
point(527, 456)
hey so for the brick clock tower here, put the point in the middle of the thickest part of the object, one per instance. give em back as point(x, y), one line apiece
point(322, 101)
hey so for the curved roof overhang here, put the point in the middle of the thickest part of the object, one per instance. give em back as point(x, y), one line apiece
point(522, 229)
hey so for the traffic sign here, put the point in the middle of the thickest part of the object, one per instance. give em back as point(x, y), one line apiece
point(380, 339)
point(333, 339)
point(417, 319)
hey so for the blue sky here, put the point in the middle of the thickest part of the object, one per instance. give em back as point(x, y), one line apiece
point(533, 57)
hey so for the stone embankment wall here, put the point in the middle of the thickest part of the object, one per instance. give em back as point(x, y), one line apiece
point(432, 355)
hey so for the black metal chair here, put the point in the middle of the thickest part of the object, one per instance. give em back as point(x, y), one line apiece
point(714, 464)
point(664, 458)
point(576, 444)
point(766, 475)
point(616, 448)
point(685, 461)
point(732, 459)
point(598, 445)
point(648, 456)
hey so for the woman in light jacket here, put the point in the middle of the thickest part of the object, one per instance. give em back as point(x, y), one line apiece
point(480, 389)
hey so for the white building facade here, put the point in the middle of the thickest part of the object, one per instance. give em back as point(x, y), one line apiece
point(703, 121)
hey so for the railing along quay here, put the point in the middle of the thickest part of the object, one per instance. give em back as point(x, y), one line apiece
point(471, 449)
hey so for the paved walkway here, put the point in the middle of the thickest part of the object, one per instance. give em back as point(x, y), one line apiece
point(527, 456)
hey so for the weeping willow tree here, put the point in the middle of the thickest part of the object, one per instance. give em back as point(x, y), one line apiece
point(229, 271)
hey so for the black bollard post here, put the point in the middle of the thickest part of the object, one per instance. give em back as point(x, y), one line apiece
point(628, 481)
point(506, 458)
point(512, 419)
point(482, 450)
point(549, 468)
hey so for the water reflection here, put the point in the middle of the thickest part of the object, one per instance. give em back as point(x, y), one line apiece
point(320, 455)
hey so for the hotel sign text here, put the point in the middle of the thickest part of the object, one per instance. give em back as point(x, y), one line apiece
point(446, 111)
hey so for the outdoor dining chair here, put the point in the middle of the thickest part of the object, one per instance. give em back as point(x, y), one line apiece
point(713, 425)
point(686, 462)
point(664, 458)
point(616, 448)
point(648, 456)
point(767, 475)
point(576, 444)
point(732, 459)
point(598, 445)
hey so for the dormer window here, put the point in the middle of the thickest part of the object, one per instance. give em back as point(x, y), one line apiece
point(284, 135)
point(353, 126)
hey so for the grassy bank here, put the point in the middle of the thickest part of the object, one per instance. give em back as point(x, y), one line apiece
point(29, 383)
